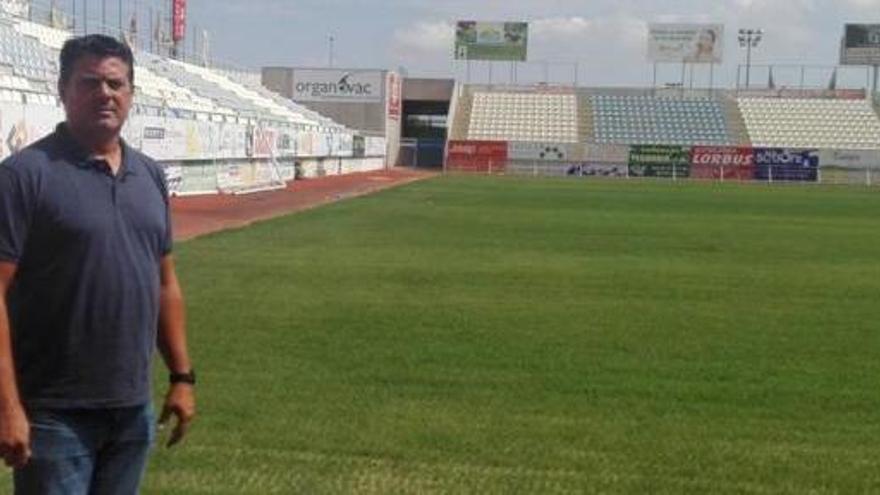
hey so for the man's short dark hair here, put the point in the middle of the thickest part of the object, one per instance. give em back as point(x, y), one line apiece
point(97, 45)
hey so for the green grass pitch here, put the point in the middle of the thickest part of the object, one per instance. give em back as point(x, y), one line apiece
point(498, 335)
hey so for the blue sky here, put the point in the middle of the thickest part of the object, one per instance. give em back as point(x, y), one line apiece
point(607, 38)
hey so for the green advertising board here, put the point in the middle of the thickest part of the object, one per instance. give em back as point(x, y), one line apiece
point(491, 41)
point(659, 161)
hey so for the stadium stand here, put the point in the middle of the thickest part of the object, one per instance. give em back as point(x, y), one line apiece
point(643, 119)
point(524, 116)
point(811, 123)
point(168, 94)
point(214, 129)
point(48, 36)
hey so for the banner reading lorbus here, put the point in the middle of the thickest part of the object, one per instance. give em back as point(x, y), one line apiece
point(491, 41)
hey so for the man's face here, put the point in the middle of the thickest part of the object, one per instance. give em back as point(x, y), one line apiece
point(98, 95)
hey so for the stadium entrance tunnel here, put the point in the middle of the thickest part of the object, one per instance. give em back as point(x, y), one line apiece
point(425, 112)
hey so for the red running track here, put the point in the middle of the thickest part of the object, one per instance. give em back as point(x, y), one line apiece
point(193, 216)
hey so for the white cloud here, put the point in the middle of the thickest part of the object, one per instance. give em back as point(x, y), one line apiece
point(426, 37)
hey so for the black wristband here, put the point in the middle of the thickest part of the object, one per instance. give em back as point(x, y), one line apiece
point(188, 377)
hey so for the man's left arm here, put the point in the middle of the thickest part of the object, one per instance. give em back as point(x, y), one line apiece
point(180, 399)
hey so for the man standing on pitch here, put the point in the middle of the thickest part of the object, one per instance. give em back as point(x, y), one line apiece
point(90, 290)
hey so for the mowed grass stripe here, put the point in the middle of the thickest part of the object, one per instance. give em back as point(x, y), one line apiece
point(618, 337)
point(499, 335)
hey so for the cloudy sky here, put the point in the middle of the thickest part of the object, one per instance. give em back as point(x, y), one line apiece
point(603, 40)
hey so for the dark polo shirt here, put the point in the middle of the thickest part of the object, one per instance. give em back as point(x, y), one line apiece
point(84, 303)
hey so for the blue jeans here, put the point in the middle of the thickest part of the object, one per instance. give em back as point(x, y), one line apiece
point(87, 452)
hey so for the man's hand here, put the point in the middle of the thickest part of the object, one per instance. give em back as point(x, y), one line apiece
point(181, 402)
point(15, 437)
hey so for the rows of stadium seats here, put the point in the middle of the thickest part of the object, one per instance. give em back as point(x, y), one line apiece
point(623, 119)
point(811, 123)
point(29, 69)
point(167, 94)
point(27, 56)
point(48, 36)
point(521, 116)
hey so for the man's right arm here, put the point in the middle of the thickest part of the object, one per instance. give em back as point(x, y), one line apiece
point(14, 426)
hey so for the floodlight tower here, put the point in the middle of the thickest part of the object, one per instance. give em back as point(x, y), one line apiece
point(748, 39)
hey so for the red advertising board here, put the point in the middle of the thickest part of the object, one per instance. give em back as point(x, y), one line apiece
point(395, 96)
point(477, 156)
point(722, 162)
point(178, 20)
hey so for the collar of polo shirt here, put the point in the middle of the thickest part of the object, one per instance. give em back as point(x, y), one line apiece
point(84, 159)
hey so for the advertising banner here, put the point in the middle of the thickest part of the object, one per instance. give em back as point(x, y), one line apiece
point(861, 45)
point(659, 161)
point(477, 156)
point(286, 142)
point(722, 162)
point(374, 146)
point(686, 43)
point(395, 96)
point(597, 170)
point(231, 140)
point(262, 142)
point(344, 145)
point(849, 159)
point(21, 125)
point(177, 139)
point(786, 164)
point(335, 85)
point(174, 178)
point(491, 41)
point(198, 178)
point(178, 20)
point(548, 152)
point(606, 153)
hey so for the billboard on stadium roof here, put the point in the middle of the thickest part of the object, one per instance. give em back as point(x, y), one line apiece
point(861, 45)
point(491, 41)
point(686, 43)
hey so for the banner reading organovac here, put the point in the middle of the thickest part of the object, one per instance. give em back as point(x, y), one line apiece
point(686, 43)
point(786, 164)
point(722, 162)
point(476, 40)
point(861, 45)
point(659, 161)
point(335, 85)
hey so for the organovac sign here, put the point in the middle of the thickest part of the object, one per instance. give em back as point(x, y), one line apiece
point(332, 85)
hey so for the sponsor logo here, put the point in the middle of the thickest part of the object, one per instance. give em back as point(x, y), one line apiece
point(806, 159)
point(721, 157)
point(344, 88)
point(154, 133)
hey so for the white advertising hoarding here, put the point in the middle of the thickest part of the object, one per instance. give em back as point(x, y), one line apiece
point(850, 159)
point(686, 43)
point(551, 152)
point(334, 85)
